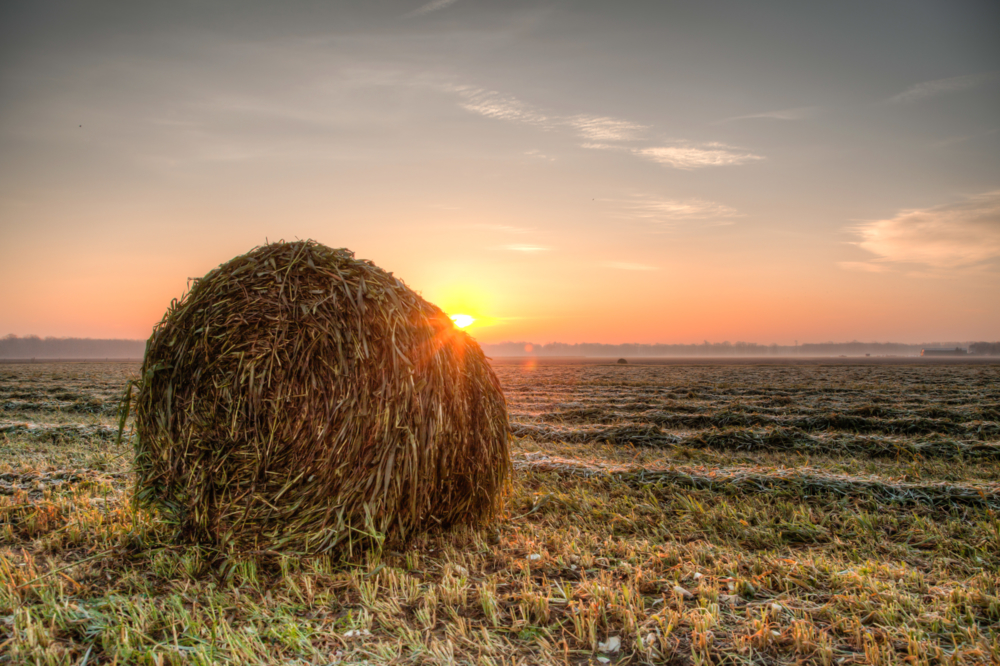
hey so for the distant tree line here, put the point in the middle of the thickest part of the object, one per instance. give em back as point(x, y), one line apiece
point(32, 346)
point(985, 348)
point(706, 348)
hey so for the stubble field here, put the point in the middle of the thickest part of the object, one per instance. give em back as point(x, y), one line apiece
point(700, 514)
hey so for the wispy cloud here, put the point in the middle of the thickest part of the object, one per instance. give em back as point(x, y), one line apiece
point(494, 105)
point(951, 236)
point(666, 213)
point(602, 132)
point(863, 266)
point(497, 106)
point(534, 153)
point(503, 228)
point(525, 248)
point(603, 128)
point(628, 266)
point(798, 113)
point(689, 156)
point(432, 6)
point(954, 140)
point(937, 87)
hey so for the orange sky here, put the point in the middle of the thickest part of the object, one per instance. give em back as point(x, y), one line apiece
point(568, 173)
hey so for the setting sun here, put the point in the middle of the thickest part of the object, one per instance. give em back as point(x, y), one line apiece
point(462, 320)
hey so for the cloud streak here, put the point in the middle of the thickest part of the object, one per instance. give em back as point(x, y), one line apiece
point(797, 113)
point(432, 6)
point(528, 249)
point(657, 209)
point(603, 128)
point(504, 228)
point(494, 105)
point(863, 266)
point(628, 266)
point(937, 87)
point(951, 236)
point(497, 106)
point(688, 156)
point(603, 132)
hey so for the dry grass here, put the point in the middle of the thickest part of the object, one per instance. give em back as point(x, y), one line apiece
point(600, 541)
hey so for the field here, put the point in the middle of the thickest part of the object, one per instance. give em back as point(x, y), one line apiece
point(706, 514)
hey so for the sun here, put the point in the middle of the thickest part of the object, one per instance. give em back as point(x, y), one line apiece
point(462, 320)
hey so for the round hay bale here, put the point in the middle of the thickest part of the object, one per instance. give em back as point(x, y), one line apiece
point(299, 399)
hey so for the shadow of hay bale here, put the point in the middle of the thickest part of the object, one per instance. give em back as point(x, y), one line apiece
point(301, 400)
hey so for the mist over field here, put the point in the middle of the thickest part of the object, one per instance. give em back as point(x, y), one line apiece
point(33, 347)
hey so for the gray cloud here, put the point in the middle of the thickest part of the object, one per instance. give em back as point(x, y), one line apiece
point(950, 236)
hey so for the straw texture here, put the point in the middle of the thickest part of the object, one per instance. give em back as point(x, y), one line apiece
point(301, 400)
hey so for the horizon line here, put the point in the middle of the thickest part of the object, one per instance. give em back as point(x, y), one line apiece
point(11, 337)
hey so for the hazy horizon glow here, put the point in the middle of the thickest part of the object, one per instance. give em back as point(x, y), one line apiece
point(572, 172)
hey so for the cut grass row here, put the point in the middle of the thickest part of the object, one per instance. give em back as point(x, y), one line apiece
point(767, 439)
point(82, 406)
point(812, 423)
point(803, 484)
point(603, 411)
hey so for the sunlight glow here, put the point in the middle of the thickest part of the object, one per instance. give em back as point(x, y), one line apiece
point(462, 320)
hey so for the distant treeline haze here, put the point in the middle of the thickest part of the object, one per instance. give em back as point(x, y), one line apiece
point(734, 349)
point(985, 348)
point(34, 347)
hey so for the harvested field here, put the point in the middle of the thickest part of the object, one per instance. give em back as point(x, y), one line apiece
point(737, 514)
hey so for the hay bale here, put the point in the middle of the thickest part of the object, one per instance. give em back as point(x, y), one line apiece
point(302, 400)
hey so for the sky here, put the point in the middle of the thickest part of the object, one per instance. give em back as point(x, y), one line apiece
point(646, 172)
